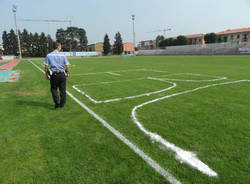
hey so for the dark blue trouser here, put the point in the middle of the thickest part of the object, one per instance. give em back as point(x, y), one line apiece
point(58, 80)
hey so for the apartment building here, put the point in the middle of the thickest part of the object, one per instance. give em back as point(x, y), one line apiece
point(234, 35)
point(97, 47)
point(195, 39)
point(147, 44)
point(128, 48)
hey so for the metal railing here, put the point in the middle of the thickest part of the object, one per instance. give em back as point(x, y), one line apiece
point(227, 48)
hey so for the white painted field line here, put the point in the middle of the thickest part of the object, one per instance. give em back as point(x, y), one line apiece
point(112, 73)
point(217, 78)
point(85, 94)
point(144, 94)
point(152, 70)
point(138, 151)
point(37, 66)
point(157, 78)
point(109, 82)
point(96, 73)
point(124, 98)
point(184, 156)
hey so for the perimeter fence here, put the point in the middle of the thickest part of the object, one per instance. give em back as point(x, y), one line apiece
point(242, 48)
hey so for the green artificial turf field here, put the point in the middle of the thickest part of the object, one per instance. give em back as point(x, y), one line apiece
point(162, 105)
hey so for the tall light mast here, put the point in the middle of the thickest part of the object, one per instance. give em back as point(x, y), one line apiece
point(14, 9)
point(133, 19)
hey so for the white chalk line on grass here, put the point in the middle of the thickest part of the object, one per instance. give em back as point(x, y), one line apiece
point(120, 71)
point(123, 98)
point(109, 82)
point(140, 95)
point(182, 155)
point(217, 78)
point(153, 78)
point(187, 157)
point(112, 73)
point(138, 151)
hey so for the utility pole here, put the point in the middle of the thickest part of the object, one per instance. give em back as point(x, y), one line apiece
point(14, 9)
point(133, 19)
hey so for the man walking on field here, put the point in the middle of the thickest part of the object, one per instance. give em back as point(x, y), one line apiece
point(57, 78)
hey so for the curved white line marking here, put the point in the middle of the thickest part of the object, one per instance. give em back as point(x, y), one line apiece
point(124, 98)
point(144, 94)
point(217, 78)
point(184, 156)
point(137, 150)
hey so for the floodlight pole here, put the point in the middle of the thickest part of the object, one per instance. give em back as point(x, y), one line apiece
point(14, 9)
point(133, 19)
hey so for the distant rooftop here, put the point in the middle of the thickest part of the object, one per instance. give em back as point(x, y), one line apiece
point(231, 31)
point(194, 35)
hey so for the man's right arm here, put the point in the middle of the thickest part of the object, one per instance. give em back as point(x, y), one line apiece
point(46, 69)
point(66, 62)
point(67, 69)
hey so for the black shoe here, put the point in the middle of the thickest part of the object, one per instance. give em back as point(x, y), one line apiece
point(61, 105)
point(56, 106)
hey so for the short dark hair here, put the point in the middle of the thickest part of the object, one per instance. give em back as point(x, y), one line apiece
point(56, 45)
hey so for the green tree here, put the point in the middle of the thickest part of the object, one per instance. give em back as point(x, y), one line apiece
point(159, 39)
point(50, 46)
point(25, 43)
point(72, 39)
point(35, 45)
point(13, 45)
point(31, 47)
point(118, 45)
point(42, 45)
point(83, 40)
point(181, 40)
point(5, 43)
point(61, 37)
point(106, 45)
point(166, 42)
point(210, 38)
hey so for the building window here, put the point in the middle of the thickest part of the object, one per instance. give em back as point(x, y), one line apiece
point(238, 36)
point(232, 37)
point(225, 38)
point(245, 37)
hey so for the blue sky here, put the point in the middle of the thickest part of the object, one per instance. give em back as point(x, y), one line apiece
point(99, 17)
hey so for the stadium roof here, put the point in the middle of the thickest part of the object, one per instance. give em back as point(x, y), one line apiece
point(231, 31)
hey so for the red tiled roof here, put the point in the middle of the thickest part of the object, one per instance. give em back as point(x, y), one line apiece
point(231, 31)
point(194, 35)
